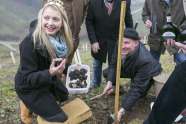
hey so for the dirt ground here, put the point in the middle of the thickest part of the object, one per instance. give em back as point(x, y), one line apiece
point(104, 106)
point(101, 108)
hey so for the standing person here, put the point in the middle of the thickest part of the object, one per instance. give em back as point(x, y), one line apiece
point(102, 23)
point(171, 100)
point(160, 8)
point(76, 12)
point(138, 64)
point(37, 81)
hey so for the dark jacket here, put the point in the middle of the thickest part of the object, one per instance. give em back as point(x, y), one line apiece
point(103, 28)
point(160, 8)
point(76, 11)
point(171, 100)
point(141, 67)
point(183, 26)
point(33, 83)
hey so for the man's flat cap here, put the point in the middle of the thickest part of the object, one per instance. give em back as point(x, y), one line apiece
point(131, 33)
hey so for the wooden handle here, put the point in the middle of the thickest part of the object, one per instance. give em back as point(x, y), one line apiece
point(121, 30)
point(97, 96)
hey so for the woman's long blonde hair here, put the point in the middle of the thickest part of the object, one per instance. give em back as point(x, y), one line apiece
point(41, 37)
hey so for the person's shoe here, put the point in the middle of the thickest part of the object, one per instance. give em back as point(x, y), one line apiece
point(178, 118)
point(183, 120)
point(91, 87)
point(26, 114)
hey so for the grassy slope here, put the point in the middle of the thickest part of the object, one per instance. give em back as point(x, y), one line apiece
point(9, 101)
point(15, 18)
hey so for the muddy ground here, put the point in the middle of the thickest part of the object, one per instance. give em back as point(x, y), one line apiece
point(101, 108)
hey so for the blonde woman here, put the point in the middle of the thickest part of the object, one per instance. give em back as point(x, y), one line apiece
point(37, 81)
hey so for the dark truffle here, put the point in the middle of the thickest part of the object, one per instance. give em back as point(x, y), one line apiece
point(80, 76)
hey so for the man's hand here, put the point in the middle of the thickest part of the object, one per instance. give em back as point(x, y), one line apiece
point(148, 24)
point(182, 47)
point(95, 47)
point(107, 90)
point(119, 115)
point(57, 70)
point(171, 42)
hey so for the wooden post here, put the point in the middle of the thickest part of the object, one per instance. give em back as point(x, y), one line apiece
point(0, 64)
point(122, 19)
point(86, 46)
point(77, 57)
point(145, 40)
point(83, 47)
point(13, 58)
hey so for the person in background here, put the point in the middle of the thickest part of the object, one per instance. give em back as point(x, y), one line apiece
point(37, 81)
point(136, 63)
point(102, 23)
point(176, 9)
point(171, 100)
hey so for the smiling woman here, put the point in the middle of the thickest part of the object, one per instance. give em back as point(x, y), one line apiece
point(38, 81)
point(51, 21)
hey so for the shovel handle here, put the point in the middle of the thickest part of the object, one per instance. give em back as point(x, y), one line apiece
point(99, 95)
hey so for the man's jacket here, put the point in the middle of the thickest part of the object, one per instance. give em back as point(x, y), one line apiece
point(160, 8)
point(103, 28)
point(141, 67)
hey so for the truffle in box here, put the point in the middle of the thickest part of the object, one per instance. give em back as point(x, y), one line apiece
point(78, 79)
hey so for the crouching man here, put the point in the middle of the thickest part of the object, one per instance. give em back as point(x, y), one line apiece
point(137, 64)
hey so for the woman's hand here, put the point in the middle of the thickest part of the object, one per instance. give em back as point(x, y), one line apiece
point(78, 64)
point(57, 70)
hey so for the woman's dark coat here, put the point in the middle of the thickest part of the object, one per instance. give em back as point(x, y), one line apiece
point(33, 83)
point(141, 67)
point(103, 28)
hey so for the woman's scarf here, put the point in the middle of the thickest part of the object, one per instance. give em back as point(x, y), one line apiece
point(59, 45)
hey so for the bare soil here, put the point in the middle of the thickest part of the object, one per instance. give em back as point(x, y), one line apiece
point(101, 108)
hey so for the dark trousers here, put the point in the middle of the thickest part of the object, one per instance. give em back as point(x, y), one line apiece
point(171, 100)
point(60, 117)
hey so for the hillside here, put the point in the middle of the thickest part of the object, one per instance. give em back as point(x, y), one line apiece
point(15, 16)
